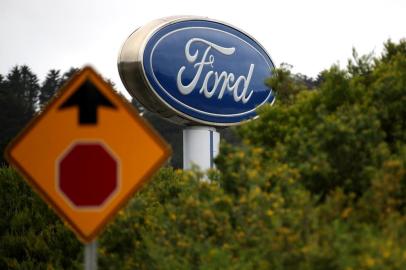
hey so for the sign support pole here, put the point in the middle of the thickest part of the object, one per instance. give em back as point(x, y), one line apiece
point(91, 256)
point(200, 147)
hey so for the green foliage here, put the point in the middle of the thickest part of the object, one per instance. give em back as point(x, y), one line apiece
point(18, 96)
point(287, 84)
point(318, 182)
point(49, 87)
point(257, 214)
point(31, 236)
point(336, 134)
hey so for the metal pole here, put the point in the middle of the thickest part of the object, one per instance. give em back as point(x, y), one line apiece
point(200, 147)
point(91, 256)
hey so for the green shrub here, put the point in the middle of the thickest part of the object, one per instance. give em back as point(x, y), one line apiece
point(31, 235)
point(318, 182)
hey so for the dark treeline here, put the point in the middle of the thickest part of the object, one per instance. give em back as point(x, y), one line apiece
point(22, 95)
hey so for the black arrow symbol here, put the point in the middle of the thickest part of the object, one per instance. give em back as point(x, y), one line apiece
point(87, 97)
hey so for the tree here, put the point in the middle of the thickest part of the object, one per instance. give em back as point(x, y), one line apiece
point(31, 235)
point(18, 101)
point(23, 85)
point(317, 182)
point(49, 87)
point(287, 84)
point(67, 75)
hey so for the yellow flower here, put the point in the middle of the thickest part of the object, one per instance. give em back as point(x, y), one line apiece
point(305, 249)
point(257, 150)
point(252, 174)
point(283, 230)
point(369, 262)
point(207, 214)
point(255, 192)
point(346, 212)
point(240, 154)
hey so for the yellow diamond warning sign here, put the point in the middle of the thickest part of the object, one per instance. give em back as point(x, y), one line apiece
point(87, 153)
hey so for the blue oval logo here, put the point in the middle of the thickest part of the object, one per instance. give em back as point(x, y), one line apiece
point(208, 71)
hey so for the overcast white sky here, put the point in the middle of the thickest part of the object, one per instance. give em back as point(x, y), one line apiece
point(311, 35)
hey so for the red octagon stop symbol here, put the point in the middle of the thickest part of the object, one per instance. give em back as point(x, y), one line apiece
point(87, 174)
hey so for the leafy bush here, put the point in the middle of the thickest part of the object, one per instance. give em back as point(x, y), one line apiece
point(31, 235)
point(318, 182)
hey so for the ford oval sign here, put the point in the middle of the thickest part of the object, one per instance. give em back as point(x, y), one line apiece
point(194, 70)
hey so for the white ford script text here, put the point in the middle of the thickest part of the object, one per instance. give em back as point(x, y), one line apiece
point(226, 80)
